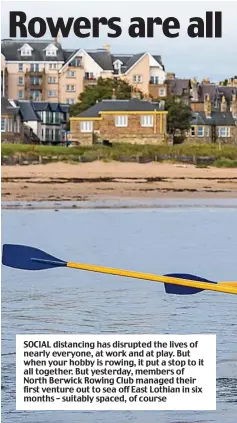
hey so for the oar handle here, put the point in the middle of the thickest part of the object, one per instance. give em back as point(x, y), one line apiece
point(223, 287)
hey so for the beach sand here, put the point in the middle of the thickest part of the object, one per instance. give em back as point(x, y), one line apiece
point(115, 180)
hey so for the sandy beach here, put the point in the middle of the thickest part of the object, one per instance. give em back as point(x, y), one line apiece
point(115, 180)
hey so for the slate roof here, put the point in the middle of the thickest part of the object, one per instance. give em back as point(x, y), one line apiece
point(7, 108)
point(29, 109)
point(217, 118)
point(103, 58)
point(67, 54)
point(158, 59)
point(133, 105)
point(216, 92)
point(130, 59)
point(10, 49)
point(106, 60)
point(176, 86)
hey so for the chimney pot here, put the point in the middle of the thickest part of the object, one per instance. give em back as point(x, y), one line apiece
point(233, 106)
point(223, 104)
point(113, 94)
point(107, 47)
point(207, 105)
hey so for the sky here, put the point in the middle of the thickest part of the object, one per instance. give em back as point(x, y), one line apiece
point(186, 57)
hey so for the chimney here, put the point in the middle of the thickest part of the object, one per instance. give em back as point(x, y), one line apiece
point(194, 89)
point(233, 106)
point(207, 106)
point(107, 47)
point(206, 81)
point(223, 104)
point(114, 94)
point(170, 75)
point(57, 39)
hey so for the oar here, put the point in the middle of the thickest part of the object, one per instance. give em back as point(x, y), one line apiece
point(30, 258)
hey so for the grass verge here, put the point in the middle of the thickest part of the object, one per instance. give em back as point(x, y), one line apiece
point(224, 157)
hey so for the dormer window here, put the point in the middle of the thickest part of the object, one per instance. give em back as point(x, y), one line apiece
point(26, 50)
point(117, 65)
point(51, 50)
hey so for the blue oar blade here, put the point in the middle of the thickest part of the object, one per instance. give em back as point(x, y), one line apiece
point(184, 290)
point(28, 258)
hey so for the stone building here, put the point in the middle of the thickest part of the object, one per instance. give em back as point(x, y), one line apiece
point(11, 123)
point(132, 121)
point(201, 92)
point(215, 125)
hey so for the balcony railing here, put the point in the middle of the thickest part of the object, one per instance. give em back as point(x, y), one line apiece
point(37, 87)
point(49, 121)
point(90, 80)
point(35, 72)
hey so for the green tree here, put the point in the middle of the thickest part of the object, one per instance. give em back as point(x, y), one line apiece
point(179, 115)
point(101, 91)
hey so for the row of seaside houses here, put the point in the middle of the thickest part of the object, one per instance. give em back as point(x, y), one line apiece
point(40, 80)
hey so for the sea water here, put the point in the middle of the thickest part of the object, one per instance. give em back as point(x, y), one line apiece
point(200, 239)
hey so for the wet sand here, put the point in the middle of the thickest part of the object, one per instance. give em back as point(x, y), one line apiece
point(115, 180)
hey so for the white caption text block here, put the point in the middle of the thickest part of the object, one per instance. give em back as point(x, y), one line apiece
point(115, 372)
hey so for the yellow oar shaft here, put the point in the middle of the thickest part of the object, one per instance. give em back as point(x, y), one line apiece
point(225, 287)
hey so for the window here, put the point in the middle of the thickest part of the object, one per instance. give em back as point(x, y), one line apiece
point(52, 80)
point(20, 80)
point(53, 66)
point(10, 125)
point(71, 74)
point(56, 117)
point(35, 95)
point(200, 131)
point(70, 101)
point(18, 124)
point(192, 131)
point(89, 75)
point(47, 134)
point(51, 50)
point(70, 88)
point(34, 67)
point(224, 131)
point(26, 50)
point(121, 121)
point(3, 124)
point(20, 67)
point(52, 93)
point(137, 78)
point(57, 134)
point(35, 80)
point(20, 94)
point(147, 120)
point(75, 63)
point(154, 79)
point(86, 126)
point(162, 92)
point(117, 65)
